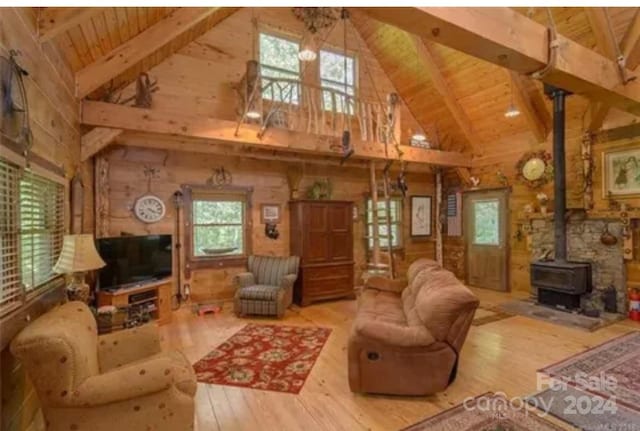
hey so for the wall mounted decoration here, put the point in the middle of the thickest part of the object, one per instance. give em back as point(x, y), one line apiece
point(149, 208)
point(535, 168)
point(271, 231)
point(270, 213)
point(421, 216)
point(621, 172)
point(14, 109)
point(220, 177)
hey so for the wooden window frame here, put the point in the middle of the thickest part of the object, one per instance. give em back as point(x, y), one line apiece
point(279, 35)
point(356, 76)
point(204, 262)
point(400, 223)
point(54, 286)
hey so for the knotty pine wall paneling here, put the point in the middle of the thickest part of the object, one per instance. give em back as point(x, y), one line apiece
point(54, 122)
point(269, 182)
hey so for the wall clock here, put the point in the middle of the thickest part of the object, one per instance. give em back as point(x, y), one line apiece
point(535, 168)
point(149, 208)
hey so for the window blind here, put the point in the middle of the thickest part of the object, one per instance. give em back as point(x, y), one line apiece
point(41, 228)
point(31, 231)
point(11, 292)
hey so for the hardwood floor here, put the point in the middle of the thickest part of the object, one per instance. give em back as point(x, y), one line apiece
point(499, 356)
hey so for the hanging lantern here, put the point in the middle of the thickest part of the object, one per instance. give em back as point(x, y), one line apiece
point(308, 51)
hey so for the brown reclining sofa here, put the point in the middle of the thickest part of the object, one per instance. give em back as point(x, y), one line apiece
point(407, 336)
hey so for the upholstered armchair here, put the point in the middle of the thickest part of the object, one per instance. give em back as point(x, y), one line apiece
point(119, 381)
point(267, 288)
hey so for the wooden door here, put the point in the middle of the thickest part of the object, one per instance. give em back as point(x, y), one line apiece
point(486, 238)
point(340, 225)
point(315, 225)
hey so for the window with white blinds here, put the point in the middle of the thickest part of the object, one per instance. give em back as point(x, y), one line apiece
point(31, 229)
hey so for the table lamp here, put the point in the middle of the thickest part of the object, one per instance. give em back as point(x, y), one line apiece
point(78, 256)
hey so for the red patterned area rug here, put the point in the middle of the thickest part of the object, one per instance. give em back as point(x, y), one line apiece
point(618, 358)
point(270, 357)
point(488, 412)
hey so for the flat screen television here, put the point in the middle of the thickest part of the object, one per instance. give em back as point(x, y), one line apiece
point(132, 260)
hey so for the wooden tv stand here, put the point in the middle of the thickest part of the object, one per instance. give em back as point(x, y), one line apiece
point(162, 299)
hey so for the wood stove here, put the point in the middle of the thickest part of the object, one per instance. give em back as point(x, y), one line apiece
point(560, 283)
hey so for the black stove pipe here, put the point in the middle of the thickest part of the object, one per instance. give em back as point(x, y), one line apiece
point(558, 96)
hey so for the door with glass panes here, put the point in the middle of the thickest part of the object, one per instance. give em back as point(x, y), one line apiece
point(486, 237)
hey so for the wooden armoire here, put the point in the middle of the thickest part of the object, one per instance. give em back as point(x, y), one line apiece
point(322, 235)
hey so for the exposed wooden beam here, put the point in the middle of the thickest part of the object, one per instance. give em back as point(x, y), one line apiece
point(154, 141)
point(538, 125)
point(507, 38)
point(630, 48)
point(197, 126)
point(630, 44)
point(53, 21)
point(618, 133)
point(605, 42)
point(465, 176)
point(441, 86)
point(146, 43)
point(96, 140)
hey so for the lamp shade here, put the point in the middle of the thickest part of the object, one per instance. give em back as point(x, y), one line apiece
point(78, 254)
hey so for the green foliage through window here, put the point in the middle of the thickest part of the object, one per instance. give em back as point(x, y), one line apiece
point(336, 74)
point(218, 228)
point(486, 217)
point(279, 59)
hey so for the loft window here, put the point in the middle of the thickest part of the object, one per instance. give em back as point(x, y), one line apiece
point(395, 205)
point(31, 231)
point(219, 225)
point(280, 68)
point(338, 78)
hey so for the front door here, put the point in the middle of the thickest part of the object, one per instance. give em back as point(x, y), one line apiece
point(486, 238)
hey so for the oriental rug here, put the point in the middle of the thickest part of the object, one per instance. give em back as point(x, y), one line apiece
point(269, 357)
point(607, 370)
point(488, 412)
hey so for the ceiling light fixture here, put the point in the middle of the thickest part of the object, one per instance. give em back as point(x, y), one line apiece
point(512, 110)
point(314, 19)
point(308, 52)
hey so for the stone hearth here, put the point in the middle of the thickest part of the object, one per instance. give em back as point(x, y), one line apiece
point(583, 244)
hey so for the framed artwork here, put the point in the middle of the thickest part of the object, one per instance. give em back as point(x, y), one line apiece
point(421, 216)
point(270, 213)
point(621, 172)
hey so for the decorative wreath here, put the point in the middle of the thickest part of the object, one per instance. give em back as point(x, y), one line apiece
point(543, 155)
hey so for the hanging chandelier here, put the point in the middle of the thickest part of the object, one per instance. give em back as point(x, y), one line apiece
point(512, 110)
point(315, 19)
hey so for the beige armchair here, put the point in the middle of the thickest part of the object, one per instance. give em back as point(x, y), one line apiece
point(117, 381)
point(267, 288)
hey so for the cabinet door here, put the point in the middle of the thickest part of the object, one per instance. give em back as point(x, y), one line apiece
point(340, 237)
point(316, 244)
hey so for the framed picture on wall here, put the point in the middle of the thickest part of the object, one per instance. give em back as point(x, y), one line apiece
point(421, 216)
point(621, 172)
point(270, 213)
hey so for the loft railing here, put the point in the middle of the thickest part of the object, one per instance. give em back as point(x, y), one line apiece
point(293, 105)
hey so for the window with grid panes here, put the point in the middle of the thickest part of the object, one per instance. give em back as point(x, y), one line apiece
point(31, 231)
point(395, 206)
point(337, 72)
point(279, 59)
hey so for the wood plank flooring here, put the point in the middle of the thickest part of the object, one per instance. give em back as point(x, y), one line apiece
point(499, 356)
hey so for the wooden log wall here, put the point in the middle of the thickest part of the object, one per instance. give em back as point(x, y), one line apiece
point(503, 155)
point(269, 180)
point(202, 78)
point(54, 122)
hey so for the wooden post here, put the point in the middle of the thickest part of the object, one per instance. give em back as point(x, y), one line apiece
point(587, 169)
point(102, 197)
point(375, 252)
point(294, 176)
point(387, 199)
point(439, 246)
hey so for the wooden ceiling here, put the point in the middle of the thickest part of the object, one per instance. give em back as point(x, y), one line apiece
point(461, 97)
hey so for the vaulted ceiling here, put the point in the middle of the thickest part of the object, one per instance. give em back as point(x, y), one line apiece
point(460, 98)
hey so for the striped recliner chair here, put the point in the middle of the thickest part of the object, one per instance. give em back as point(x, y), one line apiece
point(267, 288)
